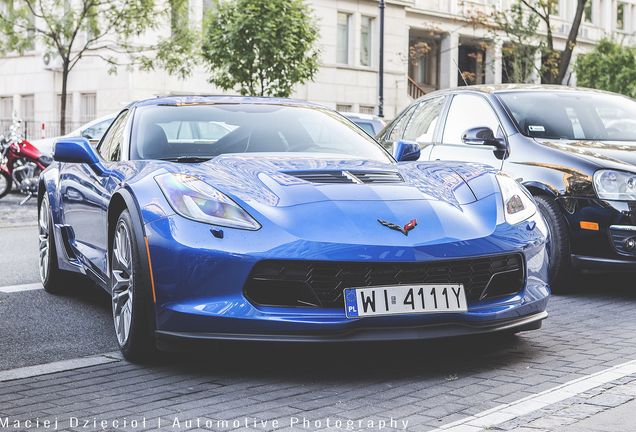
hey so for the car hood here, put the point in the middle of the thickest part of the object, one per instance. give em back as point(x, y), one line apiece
point(608, 154)
point(287, 181)
point(311, 199)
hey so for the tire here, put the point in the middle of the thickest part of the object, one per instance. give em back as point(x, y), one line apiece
point(130, 294)
point(559, 250)
point(6, 182)
point(54, 280)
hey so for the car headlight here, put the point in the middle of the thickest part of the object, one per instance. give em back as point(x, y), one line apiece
point(615, 185)
point(194, 199)
point(518, 206)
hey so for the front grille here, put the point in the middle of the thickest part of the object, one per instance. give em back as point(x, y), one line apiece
point(344, 177)
point(620, 234)
point(321, 283)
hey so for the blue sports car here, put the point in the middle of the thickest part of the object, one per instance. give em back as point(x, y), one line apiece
point(212, 218)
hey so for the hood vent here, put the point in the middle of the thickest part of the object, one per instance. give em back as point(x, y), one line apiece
point(343, 177)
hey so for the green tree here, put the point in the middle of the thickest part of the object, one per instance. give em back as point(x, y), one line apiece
point(609, 66)
point(555, 62)
point(520, 43)
point(77, 29)
point(262, 46)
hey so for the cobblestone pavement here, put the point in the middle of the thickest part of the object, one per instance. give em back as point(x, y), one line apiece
point(394, 386)
point(14, 214)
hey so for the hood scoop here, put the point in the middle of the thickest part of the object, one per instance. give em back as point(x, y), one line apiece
point(345, 177)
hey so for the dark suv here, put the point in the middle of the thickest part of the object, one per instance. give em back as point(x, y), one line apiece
point(573, 149)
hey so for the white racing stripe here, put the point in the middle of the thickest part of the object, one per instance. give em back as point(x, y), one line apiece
point(18, 288)
point(507, 412)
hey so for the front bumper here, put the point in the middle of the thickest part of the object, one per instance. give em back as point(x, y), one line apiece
point(199, 285)
point(600, 249)
point(176, 341)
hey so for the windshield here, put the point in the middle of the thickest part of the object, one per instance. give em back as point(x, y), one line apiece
point(572, 115)
point(192, 133)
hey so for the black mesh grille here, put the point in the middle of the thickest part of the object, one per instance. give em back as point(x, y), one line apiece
point(324, 281)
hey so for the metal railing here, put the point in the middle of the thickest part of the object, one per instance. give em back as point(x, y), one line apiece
point(32, 129)
point(415, 91)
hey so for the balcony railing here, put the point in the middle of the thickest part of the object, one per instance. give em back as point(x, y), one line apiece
point(415, 91)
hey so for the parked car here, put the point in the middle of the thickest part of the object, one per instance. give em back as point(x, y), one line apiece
point(293, 226)
point(574, 149)
point(92, 131)
point(369, 123)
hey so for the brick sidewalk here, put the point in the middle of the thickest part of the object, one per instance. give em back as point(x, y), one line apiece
point(13, 214)
point(423, 385)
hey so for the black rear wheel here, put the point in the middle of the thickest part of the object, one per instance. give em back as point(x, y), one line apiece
point(561, 270)
point(54, 280)
point(6, 182)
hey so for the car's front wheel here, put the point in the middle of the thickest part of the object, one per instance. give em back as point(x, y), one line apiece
point(129, 293)
point(559, 249)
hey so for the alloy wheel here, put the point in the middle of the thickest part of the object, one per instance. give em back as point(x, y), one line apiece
point(44, 240)
point(122, 283)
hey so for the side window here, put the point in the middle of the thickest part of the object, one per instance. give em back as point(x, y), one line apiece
point(110, 147)
point(422, 124)
point(466, 112)
point(398, 129)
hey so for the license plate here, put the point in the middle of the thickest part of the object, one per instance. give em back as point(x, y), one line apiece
point(407, 299)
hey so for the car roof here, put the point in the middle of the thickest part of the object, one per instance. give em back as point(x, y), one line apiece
point(203, 100)
point(503, 88)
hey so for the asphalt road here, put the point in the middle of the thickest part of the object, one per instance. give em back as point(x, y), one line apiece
point(37, 327)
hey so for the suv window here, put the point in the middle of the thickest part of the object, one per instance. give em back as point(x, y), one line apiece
point(399, 127)
point(422, 124)
point(466, 112)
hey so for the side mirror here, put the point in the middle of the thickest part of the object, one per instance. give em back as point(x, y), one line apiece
point(404, 151)
point(483, 135)
point(77, 150)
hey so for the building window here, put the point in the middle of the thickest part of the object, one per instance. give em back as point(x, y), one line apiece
point(344, 22)
point(6, 108)
point(178, 16)
point(366, 27)
point(88, 107)
point(620, 16)
point(343, 108)
point(367, 110)
point(553, 6)
point(588, 12)
point(27, 108)
point(69, 109)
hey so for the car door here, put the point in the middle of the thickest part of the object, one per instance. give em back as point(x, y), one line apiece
point(467, 111)
point(85, 198)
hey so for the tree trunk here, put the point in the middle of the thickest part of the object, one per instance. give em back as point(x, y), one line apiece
point(566, 54)
point(65, 72)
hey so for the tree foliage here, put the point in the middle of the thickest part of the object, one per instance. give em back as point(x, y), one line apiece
point(75, 29)
point(264, 47)
point(520, 44)
point(555, 62)
point(609, 66)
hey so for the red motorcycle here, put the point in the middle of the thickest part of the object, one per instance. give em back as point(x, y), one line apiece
point(20, 163)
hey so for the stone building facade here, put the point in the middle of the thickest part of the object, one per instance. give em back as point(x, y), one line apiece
point(427, 43)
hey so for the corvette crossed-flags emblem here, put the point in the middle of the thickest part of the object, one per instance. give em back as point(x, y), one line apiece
point(404, 230)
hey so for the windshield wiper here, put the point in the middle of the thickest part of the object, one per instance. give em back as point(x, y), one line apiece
point(187, 159)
